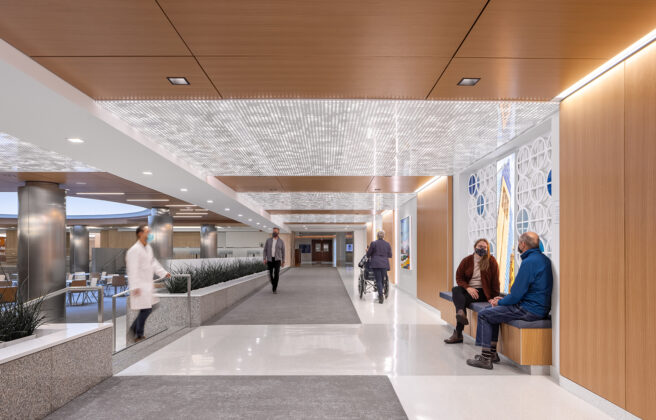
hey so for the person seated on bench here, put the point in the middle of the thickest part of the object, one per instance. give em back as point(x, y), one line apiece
point(529, 300)
point(478, 281)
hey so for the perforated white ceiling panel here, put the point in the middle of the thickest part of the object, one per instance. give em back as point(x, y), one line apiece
point(330, 137)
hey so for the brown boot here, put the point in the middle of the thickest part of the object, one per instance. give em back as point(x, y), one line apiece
point(455, 338)
point(461, 317)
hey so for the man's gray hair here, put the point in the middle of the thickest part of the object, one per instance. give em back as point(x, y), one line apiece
point(381, 234)
point(531, 239)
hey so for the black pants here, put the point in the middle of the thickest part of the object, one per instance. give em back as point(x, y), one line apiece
point(462, 299)
point(379, 273)
point(274, 272)
point(140, 322)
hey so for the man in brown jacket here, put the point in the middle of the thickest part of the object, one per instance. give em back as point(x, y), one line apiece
point(478, 281)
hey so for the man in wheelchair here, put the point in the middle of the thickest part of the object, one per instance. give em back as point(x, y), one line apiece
point(376, 260)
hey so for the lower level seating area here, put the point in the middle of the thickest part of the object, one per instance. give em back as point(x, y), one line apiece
point(524, 342)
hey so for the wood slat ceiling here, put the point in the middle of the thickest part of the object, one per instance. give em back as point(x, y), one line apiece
point(81, 182)
point(416, 49)
point(348, 184)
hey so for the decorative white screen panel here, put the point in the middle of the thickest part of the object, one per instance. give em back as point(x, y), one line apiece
point(482, 205)
point(534, 190)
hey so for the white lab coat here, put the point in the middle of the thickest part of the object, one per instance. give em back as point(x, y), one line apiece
point(141, 267)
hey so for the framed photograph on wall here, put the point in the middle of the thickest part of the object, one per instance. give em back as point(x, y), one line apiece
point(405, 243)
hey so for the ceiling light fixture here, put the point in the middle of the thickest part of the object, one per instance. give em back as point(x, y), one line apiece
point(100, 193)
point(191, 214)
point(210, 201)
point(75, 140)
point(147, 173)
point(183, 189)
point(226, 209)
point(240, 215)
point(195, 216)
point(427, 184)
point(180, 205)
point(81, 183)
point(468, 81)
point(250, 220)
point(135, 200)
point(626, 53)
point(178, 81)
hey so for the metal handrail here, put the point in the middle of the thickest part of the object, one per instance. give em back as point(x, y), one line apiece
point(65, 290)
point(126, 292)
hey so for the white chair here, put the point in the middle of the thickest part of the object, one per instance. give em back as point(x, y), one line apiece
point(2, 277)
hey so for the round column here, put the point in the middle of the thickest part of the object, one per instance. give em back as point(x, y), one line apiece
point(208, 241)
point(160, 222)
point(42, 243)
point(79, 251)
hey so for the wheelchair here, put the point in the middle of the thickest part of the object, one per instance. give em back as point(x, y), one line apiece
point(367, 280)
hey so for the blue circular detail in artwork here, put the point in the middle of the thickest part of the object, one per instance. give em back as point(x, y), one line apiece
point(480, 205)
point(549, 182)
point(473, 185)
point(522, 221)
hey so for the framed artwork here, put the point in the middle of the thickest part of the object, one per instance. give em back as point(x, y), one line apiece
point(349, 247)
point(405, 243)
point(506, 221)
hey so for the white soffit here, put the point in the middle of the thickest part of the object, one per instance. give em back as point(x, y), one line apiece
point(327, 218)
point(330, 137)
point(20, 156)
point(327, 201)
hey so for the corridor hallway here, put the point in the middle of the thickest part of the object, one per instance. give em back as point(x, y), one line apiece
point(358, 360)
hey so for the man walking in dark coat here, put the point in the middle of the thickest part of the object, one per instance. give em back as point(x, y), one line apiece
point(379, 254)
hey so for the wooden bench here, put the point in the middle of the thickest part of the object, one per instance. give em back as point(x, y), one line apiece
point(526, 343)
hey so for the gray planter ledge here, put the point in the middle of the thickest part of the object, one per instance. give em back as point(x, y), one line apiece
point(206, 303)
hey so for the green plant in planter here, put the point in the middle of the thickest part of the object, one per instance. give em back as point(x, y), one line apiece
point(209, 274)
point(20, 318)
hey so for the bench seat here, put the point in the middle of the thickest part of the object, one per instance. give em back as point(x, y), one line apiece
point(525, 342)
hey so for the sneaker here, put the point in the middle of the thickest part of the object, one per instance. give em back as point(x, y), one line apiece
point(381, 299)
point(454, 339)
point(495, 359)
point(138, 339)
point(462, 318)
point(480, 362)
point(275, 292)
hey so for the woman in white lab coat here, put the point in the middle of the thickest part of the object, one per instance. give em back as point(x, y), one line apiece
point(141, 268)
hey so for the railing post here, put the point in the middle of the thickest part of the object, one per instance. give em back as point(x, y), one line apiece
point(101, 304)
point(114, 321)
point(189, 297)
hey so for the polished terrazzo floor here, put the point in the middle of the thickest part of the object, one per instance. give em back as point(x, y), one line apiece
point(401, 340)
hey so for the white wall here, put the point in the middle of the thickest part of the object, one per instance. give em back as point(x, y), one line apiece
point(359, 249)
point(407, 279)
point(239, 239)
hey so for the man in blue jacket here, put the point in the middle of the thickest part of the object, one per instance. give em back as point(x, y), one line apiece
point(379, 253)
point(529, 300)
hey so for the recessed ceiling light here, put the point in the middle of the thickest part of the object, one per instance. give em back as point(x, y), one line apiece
point(226, 209)
point(178, 80)
point(257, 223)
point(250, 220)
point(191, 214)
point(147, 173)
point(146, 199)
point(468, 81)
point(180, 205)
point(183, 189)
point(240, 215)
point(210, 201)
point(81, 183)
point(100, 193)
point(195, 216)
point(75, 140)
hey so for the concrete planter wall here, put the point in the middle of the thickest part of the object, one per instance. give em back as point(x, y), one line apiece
point(42, 374)
point(172, 309)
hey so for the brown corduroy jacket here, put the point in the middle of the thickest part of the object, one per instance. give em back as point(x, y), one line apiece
point(489, 278)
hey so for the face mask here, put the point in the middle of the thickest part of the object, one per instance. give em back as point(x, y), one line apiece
point(481, 252)
point(519, 249)
point(150, 238)
point(275, 234)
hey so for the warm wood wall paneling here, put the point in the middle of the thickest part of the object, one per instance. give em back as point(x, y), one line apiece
point(434, 241)
point(640, 230)
point(388, 227)
point(592, 291)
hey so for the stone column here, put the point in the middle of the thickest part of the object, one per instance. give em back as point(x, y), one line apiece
point(208, 241)
point(42, 243)
point(79, 255)
point(160, 222)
